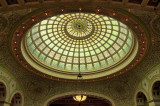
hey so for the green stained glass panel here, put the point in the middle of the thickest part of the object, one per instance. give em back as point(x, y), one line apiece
point(48, 60)
point(42, 57)
point(103, 63)
point(75, 67)
point(32, 47)
point(68, 66)
point(36, 53)
point(29, 41)
point(61, 65)
point(89, 66)
point(34, 30)
point(82, 67)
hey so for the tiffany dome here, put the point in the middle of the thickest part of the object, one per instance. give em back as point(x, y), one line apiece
point(95, 45)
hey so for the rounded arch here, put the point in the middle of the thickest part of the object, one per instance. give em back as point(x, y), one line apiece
point(3, 93)
point(144, 92)
point(73, 93)
point(155, 89)
point(6, 88)
point(17, 99)
point(141, 99)
point(151, 86)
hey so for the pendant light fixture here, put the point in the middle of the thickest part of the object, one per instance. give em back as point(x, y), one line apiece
point(79, 97)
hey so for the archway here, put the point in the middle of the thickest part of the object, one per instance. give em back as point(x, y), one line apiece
point(156, 93)
point(156, 90)
point(55, 97)
point(2, 94)
point(69, 101)
point(141, 99)
point(16, 100)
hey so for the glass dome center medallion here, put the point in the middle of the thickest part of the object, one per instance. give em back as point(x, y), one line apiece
point(79, 28)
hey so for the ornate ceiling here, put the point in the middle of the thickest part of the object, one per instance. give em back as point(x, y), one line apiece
point(77, 42)
point(121, 89)
point(134, 49)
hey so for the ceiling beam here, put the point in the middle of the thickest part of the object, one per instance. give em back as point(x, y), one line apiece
point(3, 3)
point(20, 2)
point(144, 3)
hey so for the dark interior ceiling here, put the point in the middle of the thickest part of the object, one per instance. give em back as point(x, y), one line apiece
point(135, 1)
point(140, 2)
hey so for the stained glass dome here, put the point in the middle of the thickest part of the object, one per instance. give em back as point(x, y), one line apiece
point(73, 42)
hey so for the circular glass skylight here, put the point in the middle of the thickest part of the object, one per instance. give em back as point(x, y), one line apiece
point(62, 45)
point(79, 41)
